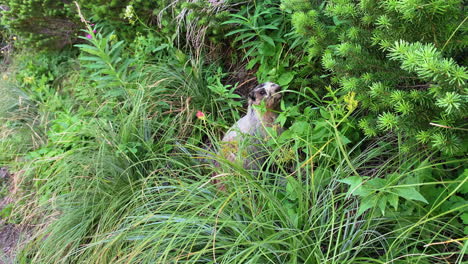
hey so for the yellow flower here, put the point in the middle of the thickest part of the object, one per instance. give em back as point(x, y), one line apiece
point(5, 77)
point(28, 79)
point(351, 103)
point(113, 37)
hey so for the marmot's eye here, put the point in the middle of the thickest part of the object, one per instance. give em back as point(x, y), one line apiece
point(262, 92)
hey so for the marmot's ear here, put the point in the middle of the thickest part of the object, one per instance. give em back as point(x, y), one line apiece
point(252, 95)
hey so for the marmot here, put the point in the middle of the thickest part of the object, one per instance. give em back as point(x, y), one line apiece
point(243, 140)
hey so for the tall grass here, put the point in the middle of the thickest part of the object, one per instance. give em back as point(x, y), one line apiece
point(17, 119)
point(157, 205)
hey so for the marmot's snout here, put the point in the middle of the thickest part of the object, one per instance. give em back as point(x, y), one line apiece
point(270, 92)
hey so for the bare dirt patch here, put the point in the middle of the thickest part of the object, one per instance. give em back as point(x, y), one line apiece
point(11, 235)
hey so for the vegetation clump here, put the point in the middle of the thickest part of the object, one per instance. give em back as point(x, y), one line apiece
point(111, 125)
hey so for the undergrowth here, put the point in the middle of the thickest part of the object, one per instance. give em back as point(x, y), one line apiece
point(115, 141)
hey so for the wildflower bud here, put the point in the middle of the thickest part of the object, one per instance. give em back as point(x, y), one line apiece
point(200, 115)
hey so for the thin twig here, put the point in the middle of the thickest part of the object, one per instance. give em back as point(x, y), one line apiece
point(453, 33)
point(242, 84)
point(80, 14)
point(439, 125)
point(448, 242)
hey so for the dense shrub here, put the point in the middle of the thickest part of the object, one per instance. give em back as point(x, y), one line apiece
point(41, 23)
point(55, 24)
point(404, 60)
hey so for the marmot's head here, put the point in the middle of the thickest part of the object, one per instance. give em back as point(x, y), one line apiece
point(269, 92)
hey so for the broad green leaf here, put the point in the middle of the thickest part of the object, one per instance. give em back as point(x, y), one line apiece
point(356, 187)
point(245, 37)
point(88, 58)
point(367, 203)
point(291, 188)
point(344, 139)
point(238, 16)
point(293, 216)
point(325, 114)
point(464, 218)
point(393, 200)
point(381, 203)
point(376, 183)
point(266, 50)
point(410, 193)
point(268, 39)
point(281, 119)
point(300, 127)
point(353, 180)
point(286, 78)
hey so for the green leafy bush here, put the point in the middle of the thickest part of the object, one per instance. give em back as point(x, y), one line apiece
point(41, 23)
point(402, 58)
point(55, 24)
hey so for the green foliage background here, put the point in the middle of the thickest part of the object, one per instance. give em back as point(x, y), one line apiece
point(99, 125)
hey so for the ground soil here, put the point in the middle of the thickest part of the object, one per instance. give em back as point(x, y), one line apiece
point(11, 235)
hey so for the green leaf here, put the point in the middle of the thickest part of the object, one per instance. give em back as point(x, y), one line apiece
point(292, 188)
point(464, 218)
point(236, 31)
point(344, 139)
point(353, 180)
point(270, 27)
point(266, 50)
point(339, 22)
point(356, 187)
point(252, 63)
point(381, 203)
point(268, 39)
point(325, 114)
point(366, 204)
point(410, 193)
point(393, 200)
point(300, 127)
point(286, 78)
point(376, 183)
point(161, 47)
